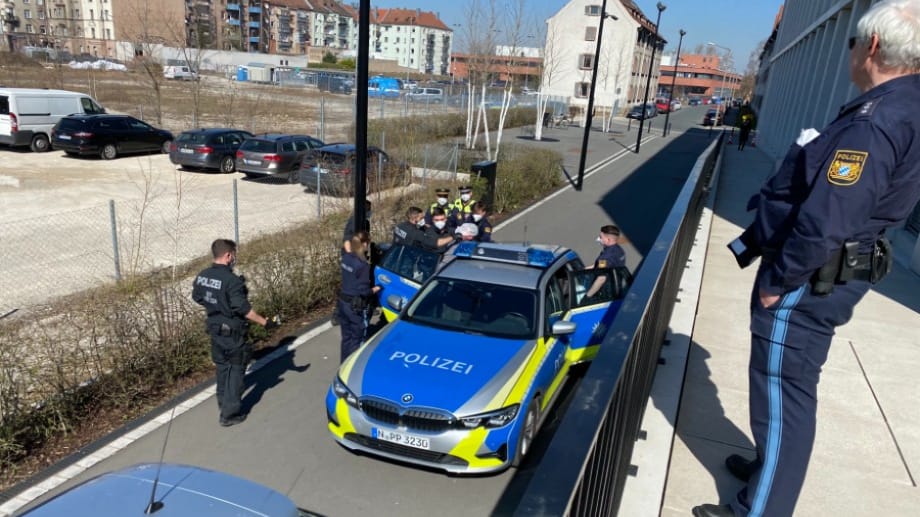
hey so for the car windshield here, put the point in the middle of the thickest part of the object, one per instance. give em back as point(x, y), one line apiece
point(258, 146)
point(467, 306)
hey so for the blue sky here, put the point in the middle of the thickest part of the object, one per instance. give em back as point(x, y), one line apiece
point(737, 24)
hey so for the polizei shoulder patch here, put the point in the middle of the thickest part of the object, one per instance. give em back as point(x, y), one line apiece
point(846, 167)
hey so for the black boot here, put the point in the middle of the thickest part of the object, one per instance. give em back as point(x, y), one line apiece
point(713, 510)
point(741, 467)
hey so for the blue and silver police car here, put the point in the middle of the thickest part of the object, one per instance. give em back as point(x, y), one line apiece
point(463, 377)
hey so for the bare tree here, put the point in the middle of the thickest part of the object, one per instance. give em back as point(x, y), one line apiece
point(552, 49)
point(613, 64)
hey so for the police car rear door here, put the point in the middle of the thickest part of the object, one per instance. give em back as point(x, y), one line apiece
point(401, 272)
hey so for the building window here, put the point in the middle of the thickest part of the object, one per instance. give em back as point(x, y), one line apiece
point(108, 33)
point(29, 28)
point(590, 33)
point(27, 14)
point(76, 13)
point(586, 61)
point(41, 15)
point(41, 29)
point(592, 10)
point(582, 89)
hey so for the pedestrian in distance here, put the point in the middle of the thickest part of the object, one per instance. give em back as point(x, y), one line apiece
point(480, 217)
point(819, 232)
point(744, 131)
point(355, 296)
point(225, 299)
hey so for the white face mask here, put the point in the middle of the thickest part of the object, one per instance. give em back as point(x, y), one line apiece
point(464, 197)
point(477, 218)
point(598, 240)
point(440, 224)
point(442, 200)
point(420, 222)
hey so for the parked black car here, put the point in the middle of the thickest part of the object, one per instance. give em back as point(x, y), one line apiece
point(274, 154)
point(108, 136)
point(638, 113)
point(712, 117)
point(331, 168)
point(334, 84)
point(208, 148)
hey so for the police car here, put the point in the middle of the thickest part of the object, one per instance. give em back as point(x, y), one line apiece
point(464, 376)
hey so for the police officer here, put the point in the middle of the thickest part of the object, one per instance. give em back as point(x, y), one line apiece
point(224, 297)
point(612, 255)
point(442, 202)
point(819, 232)
point(355, 295)
point(462, 207)
point(480, 217)
point(411, 232)
point(439, 233)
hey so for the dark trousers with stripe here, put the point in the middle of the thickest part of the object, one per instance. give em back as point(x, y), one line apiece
point(790, 341)
point(354, 328)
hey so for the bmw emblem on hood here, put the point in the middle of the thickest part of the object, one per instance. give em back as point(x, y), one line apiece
point(407, 398)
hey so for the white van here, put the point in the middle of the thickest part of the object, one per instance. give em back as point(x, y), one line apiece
point(180, 72)
point(28, 114)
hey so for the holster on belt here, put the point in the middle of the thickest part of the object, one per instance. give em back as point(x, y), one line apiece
point(358, 303)
point(848, 264)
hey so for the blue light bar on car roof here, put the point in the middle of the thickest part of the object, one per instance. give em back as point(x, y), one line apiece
point(515, 254)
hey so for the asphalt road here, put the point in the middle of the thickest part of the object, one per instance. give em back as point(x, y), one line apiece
point(284, 444)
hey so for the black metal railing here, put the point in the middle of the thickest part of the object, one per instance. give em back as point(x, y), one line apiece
point(585, 466)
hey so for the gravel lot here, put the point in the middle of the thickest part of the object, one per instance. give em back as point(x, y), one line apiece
point(55, 230)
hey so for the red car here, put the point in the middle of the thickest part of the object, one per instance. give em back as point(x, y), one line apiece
point(662, 105)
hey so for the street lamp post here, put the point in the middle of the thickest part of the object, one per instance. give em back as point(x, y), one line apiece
point(589, 115)
point(648, 81)
point(667, 115)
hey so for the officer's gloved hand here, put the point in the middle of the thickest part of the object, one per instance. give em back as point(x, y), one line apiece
point(273, 322)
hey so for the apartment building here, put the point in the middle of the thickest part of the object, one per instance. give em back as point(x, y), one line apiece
point(698, 76)
point(627, 44)
point(77, 26)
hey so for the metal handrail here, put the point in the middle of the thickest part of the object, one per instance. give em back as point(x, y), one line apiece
point(584, 469)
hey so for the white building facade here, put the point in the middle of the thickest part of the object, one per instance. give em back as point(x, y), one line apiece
point(626, 48)
point(804, 80)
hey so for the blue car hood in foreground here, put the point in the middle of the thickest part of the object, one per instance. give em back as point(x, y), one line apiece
point(416, 365)
point(185, 491)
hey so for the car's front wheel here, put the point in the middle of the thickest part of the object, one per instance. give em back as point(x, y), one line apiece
point(108, 152)
point(165, 147)
point(227, 164)
point(528, 432)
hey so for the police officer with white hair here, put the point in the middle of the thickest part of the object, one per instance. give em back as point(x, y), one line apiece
point(819, 231)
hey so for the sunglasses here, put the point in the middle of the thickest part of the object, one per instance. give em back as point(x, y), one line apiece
point(852, 42)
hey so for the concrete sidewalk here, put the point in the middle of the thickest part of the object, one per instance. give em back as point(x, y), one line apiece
point(866, 459)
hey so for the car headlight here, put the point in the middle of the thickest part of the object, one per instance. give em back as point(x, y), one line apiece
point(496, 418)
point(341, 391)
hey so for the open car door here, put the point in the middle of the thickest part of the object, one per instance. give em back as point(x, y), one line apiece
point(401, 271)
point(593, 315)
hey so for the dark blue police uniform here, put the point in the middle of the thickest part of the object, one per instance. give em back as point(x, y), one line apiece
point(860, 176)
point(611, 256)
point(224, 297)
point(484, 227)
point(353, 302)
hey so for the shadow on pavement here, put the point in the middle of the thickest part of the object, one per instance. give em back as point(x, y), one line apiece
point(269, 376)
point(641, 202)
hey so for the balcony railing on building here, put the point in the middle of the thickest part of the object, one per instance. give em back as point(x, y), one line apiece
point(233, 7)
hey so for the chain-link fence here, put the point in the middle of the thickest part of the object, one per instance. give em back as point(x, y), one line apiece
point(60, 254)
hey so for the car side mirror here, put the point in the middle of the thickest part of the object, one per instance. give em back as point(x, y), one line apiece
point(563, 328)
point(396, 302)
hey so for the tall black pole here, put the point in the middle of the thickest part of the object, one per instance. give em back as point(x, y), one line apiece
point(364, 15)
point(667, 115)
point(648, 81)
point(589, 116)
